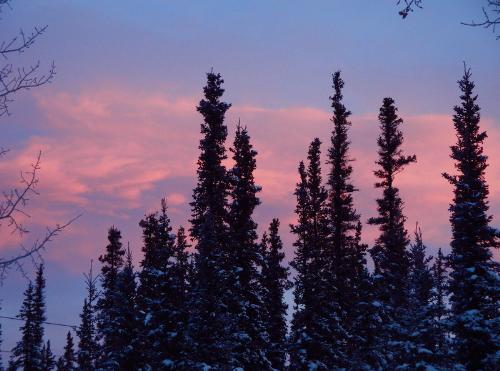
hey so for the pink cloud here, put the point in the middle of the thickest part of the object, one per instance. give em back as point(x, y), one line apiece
point(107, 149)
point(117, 143)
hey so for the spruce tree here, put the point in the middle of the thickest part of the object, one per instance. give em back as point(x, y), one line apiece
point(23, 353)
point(39, 316)
point(180, 280)
point(125, 325)
point(67, 362)
point(153, 291)
point(389, 254)
point(149, 295)
point(316, 323)
point(182, 273)
point(440, 312)
point(162, 291)
point(48, 359)
point(365, 342)
point(344, 251)
point(108, 334)
point(421, 342)
point(174, 291)
point(28, 351)
point(60, 364)
point(302, 280)
point(247, 333)
point(87, 346)
point(474, 282)
point(209, 312)
point(274, 278)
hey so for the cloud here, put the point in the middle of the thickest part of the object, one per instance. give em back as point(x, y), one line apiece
point(112, 153)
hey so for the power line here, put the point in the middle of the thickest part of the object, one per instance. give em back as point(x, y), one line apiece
point(46, 323)
point(11, 351)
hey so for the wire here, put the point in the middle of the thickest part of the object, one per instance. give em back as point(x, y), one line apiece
point(46, 323)
point(11, 351)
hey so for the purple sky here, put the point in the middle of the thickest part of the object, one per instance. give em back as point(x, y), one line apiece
point(119, 130)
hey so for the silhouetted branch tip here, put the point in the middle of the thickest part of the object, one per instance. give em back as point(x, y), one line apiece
point(408, 6)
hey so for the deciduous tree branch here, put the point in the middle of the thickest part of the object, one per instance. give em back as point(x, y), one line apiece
point(491, 17)
point(32, 252)
point(491, 13)
point(14, 79)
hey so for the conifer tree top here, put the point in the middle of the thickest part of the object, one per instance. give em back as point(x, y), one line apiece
point(391, 158)
point(212, 109)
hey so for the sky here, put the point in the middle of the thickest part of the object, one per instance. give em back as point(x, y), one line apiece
point(118, 127)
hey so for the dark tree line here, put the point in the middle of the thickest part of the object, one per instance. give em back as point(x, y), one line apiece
point(221, 305)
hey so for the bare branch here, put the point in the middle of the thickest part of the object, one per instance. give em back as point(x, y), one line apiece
point(14, 79)
point(491, 17)
point(16, 199)
point(491, 13)
point(33, 252)
point(21, 42)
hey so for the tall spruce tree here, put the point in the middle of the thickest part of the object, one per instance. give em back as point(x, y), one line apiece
point(27, 353)
point(274, 278)
point(108, 333)
point(88, 347)
point(389, 254)
point(344, 251)
point(316, 322)
point(48, 358)
point(474, 276)
point(302, 280)
point(247, 335)
point(209, 311)
point(67, 362)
